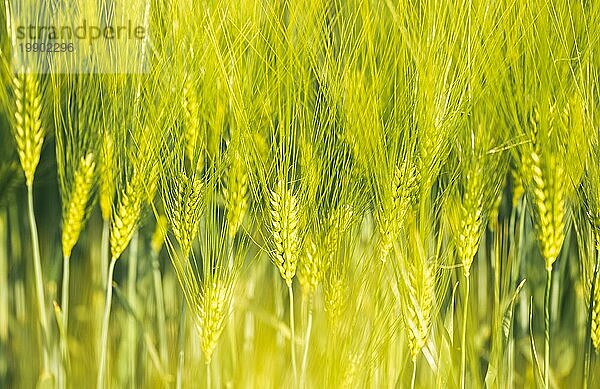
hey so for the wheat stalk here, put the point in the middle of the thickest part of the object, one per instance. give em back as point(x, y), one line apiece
point(285, 232)
point(107, 167)
point(73, 219)
point(124, 219)
point(29, 137)
point(545, 172)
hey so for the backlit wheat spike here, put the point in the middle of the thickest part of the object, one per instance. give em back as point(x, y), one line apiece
point(159, 234)
point(107, 169)
point(310, 272)
point(78, 199)
point(235, 192)
point(403, 189)
point(125, 217)
point(194, 142)
point(418, 304)
point(517, 183)
point(320, 252)
point(185, 210)
point(285, 230)
point(471, 211)
point(214, 307)
point(29, 134)
point(339, 222)
point(353, 368)
point(336, 295)
point(548, 192)
point(495, 211)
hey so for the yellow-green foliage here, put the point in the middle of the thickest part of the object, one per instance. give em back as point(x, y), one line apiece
point(306, 194)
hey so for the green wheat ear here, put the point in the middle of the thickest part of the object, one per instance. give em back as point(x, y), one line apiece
point(547, 177)
point(214, 307)
point(404, 187)
point(125, 216)
point(107, 168)
point(194, 137)
point(235, 192)
point(159, 234)
point(28, 130)
point(285, 230)
point(184, 202)
point(75, 211)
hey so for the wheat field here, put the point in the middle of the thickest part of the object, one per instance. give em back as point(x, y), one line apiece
point(304, 194)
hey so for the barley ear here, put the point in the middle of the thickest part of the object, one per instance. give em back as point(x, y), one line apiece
point(28, 132)
point(74, 216)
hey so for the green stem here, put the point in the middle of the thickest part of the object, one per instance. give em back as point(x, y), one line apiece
point(64, 298)
point(414, 374)
point(64, 304)
point(306, 343)
point(588, 342)
point(104, 249)
point(463, 342)
point(39, 283)
point(160, 311)
point(231, 324)
point(4, 296)
point(181, 346)
point(105, 324)
point(4, 279)
point(208, 382)
point(293, 333)
point(547, 328)
point(132, 298)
